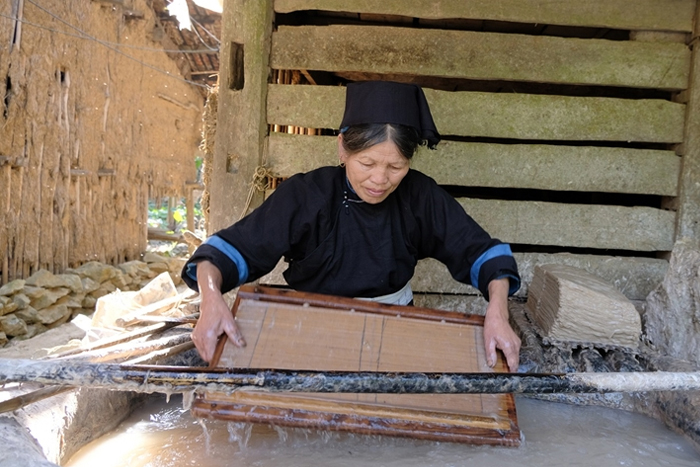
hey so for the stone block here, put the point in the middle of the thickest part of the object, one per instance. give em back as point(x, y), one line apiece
point(103, 290)
point(135, 268)
point(71, 301)
point(96, 271)
point(13, 326)
point(159, 268)
point(571, 305)
point(3, 339)
point(89, 302)
point(12, 287)
point(46, 279)
point(47, 297)
point(89, 285)
point(33, 330)
point(121, 280)
point(53, 314)
point(21, 300)
point(80, 311)
point(33, 292)
point(29, 315)
point(72, 281)
point(150, 257)
point(48, 315)
point(19, 447)
point(8, 307)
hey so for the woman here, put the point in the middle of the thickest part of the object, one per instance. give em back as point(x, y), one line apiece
point(357, 230)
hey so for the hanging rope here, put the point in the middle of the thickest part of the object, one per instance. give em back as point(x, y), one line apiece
point(260, 183)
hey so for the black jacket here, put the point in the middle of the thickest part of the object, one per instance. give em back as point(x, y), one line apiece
point(336, 244)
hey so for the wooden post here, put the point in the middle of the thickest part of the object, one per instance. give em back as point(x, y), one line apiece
point(189, 206)
point(688, 219)
point(171, 219)
point(246, 36)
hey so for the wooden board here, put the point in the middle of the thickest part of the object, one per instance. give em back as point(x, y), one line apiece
point(482, 56)
point(688, 222)
point(574, 225)
point(664, 15)
point(290, 330)
point(239, 149)
point(543, 167)
point(634, 277)
point(500, 115)
point(602, 227)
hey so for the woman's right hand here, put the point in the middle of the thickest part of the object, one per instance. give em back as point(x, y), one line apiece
point(215, 316)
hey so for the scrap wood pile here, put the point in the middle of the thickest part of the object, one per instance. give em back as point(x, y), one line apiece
point(127, 328)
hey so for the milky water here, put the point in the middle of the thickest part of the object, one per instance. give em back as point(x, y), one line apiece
point(164, 434)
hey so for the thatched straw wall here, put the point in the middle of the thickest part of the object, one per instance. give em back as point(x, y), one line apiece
point(95, 118)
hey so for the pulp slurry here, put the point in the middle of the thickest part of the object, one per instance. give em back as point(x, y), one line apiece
point(164, 434)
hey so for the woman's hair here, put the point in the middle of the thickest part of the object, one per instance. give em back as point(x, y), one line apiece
point(357, 138)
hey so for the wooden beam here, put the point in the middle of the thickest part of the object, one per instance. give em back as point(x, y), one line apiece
point(633, 276)
point(544, 167)
point(482, 56)
point(688, 222)
point(574, 225)
point(246, 31)
point(499, 115)
point(665, 15)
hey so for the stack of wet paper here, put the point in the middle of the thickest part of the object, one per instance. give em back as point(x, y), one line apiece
point(571, 305)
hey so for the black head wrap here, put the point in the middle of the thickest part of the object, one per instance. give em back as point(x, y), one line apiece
point(390, 102)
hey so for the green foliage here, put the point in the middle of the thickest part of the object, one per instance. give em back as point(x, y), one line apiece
point(158, 216)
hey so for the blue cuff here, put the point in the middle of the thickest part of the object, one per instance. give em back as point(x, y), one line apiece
point(514, 282)
point(191, 271)
point(231, 253)
point(502, 249)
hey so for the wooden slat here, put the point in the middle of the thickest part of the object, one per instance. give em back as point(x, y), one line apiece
point(485, 56)
point(496, 115)
point(665, 15)
point(574, 225)
point(634, 277)
point(601, 227)
point(564, 168)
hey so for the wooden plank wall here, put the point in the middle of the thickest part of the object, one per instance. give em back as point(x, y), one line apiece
point(563, 122)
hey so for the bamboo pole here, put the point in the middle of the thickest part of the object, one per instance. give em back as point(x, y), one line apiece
point(23, 400)
point(118, 339)
point(183, 379)
point(129, 350)
point(18, 402)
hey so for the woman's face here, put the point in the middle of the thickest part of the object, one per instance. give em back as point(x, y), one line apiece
point(374, 172)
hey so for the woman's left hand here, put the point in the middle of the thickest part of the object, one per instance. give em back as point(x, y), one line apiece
point(497, 330)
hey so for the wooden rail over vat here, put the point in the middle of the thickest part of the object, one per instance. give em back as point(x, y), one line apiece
point(301, 331)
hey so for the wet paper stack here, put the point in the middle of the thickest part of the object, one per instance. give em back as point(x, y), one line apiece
point(571, 305)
